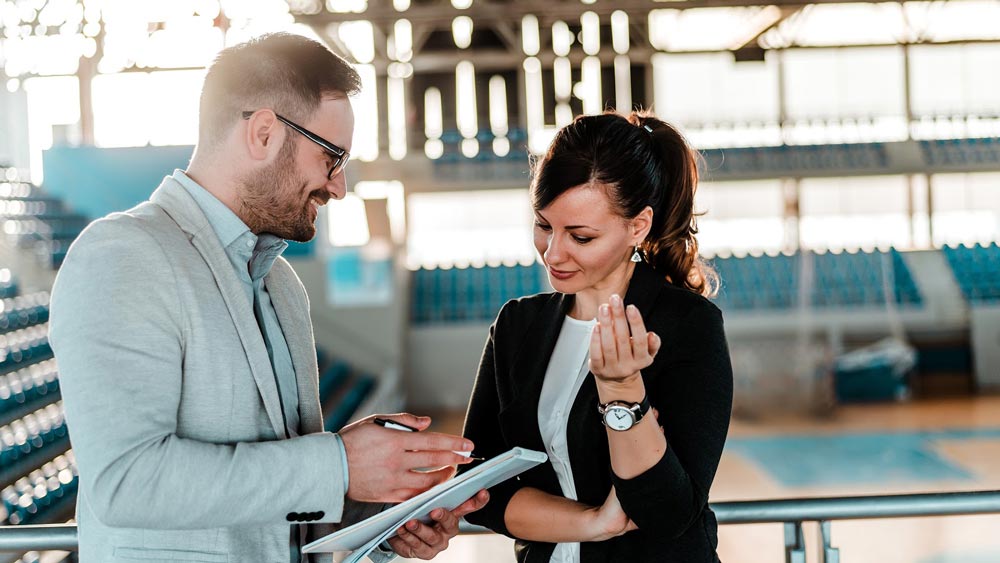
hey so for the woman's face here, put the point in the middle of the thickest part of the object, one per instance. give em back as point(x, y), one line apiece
point(583, 243)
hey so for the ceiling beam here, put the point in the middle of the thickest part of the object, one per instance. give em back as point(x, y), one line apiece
point(484, 11)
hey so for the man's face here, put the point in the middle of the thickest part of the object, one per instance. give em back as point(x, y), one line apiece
point(284, 198)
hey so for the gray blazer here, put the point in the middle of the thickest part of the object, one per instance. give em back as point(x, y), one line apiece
point(170, 398)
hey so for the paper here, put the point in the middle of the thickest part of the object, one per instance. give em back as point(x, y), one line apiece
point(363, 537)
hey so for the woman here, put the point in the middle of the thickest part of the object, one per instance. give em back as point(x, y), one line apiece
point(625, 481)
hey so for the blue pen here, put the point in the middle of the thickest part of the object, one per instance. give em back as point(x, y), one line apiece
point(393, 425)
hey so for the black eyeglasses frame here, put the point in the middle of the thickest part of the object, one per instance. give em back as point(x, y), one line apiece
point(339, 155)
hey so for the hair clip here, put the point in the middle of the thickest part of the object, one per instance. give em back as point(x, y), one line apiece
point(648, 129)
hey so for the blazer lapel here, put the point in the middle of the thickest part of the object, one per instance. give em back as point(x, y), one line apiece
point(530, 365)
point(293, 314)
point(644, 288)
point(175, 200)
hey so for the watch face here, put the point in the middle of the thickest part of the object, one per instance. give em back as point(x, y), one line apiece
point(618, 418)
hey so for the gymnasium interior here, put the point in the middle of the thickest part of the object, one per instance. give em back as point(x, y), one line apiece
point(850, 201)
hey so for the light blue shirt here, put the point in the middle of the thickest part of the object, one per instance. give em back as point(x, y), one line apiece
point(252, 257)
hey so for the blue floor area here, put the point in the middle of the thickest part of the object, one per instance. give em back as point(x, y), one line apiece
point(983, 556)
point(818, 460)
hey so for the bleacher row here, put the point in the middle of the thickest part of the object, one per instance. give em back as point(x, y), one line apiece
point(38, 476)
point(37, 222)
point(470, 294)
point(839, 280)
point(742, 160)
point(454, 295)
point(798, 157)
point(977, 270)
point(949, 152)
point(452, 141)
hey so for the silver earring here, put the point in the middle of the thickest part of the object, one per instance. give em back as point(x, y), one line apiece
point(636, 255)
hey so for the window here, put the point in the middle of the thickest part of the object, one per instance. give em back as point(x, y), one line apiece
point(740, 217)
point(966, 208)
point(473, 227)
point(854, 213)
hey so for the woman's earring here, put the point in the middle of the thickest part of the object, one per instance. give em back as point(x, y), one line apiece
point(636, 255)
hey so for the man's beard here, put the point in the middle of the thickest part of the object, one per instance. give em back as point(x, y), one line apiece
point(270, 200)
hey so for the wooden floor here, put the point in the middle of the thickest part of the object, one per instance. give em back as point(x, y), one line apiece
point(896, 448)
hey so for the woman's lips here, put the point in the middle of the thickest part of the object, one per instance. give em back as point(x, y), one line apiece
point(561, 275)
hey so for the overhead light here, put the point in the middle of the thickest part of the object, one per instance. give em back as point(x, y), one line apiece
point(396, 109)
point(498, 106)
point(529, 35)
point(359, 37)
point(465, 99)
point(623, 84)
point(433, 118)
point(619, 32)
point(461, 30)
point(402, 33)
point(591, 32)
point(590, 85)
point(562, 38)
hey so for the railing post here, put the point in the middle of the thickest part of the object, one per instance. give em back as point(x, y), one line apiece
point(827, 553)
point(795, 544)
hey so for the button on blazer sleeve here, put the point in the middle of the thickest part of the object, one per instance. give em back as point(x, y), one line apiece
point(692, 387)
point(118, 331)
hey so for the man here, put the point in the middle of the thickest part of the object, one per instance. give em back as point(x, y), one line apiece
point(186, 354)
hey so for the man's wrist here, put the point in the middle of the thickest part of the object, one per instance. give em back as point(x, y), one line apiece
point(343, 463)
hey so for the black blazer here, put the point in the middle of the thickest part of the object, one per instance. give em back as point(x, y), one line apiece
point(690, 382)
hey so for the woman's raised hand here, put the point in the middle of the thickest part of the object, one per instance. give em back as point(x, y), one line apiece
point(615, 356)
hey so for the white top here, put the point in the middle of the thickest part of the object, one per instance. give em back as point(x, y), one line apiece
point(563, 378)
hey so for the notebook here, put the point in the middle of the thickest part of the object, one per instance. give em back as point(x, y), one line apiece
point(363, 537)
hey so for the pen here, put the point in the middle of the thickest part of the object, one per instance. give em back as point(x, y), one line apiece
point(393, 425)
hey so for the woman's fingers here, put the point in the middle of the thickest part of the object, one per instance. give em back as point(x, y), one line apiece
point(596, 352)
point(608, 345)
point(639, 341)
point(621, 325)
point(654, 343)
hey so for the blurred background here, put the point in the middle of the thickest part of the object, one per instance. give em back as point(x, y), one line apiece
point(850, 190)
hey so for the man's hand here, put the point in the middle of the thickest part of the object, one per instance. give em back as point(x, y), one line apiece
point(381, 461)
point(424, 541)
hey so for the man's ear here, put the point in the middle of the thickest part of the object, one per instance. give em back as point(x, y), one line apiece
point(261, 134)
point(641, 224)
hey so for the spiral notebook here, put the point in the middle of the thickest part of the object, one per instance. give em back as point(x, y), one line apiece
point(363, 537)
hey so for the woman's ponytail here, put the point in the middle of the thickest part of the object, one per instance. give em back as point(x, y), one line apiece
point(672, 246)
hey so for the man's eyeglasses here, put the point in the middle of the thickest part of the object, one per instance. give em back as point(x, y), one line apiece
point(338, 156)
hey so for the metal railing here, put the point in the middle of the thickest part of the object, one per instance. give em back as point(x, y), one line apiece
point(789, 512)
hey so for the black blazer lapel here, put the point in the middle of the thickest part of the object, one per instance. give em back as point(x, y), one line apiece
point(644, 288)
point(528, 370)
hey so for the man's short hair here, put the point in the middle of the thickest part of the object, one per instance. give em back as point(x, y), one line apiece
point(287, 73)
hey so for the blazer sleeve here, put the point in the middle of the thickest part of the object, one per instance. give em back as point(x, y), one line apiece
point(118, 330)
point(693, 392)
point(482, 426)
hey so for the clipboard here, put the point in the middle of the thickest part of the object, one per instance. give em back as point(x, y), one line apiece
point(364, 536)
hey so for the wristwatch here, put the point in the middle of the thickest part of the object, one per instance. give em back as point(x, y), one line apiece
point(622, 415)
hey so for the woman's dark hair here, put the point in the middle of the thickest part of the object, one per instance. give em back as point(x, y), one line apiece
point(642, 161)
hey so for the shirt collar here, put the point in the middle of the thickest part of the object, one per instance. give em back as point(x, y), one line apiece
point(257, 252)
point(226, 224)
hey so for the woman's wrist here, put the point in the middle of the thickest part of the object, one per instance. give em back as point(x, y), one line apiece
point(630, 389)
